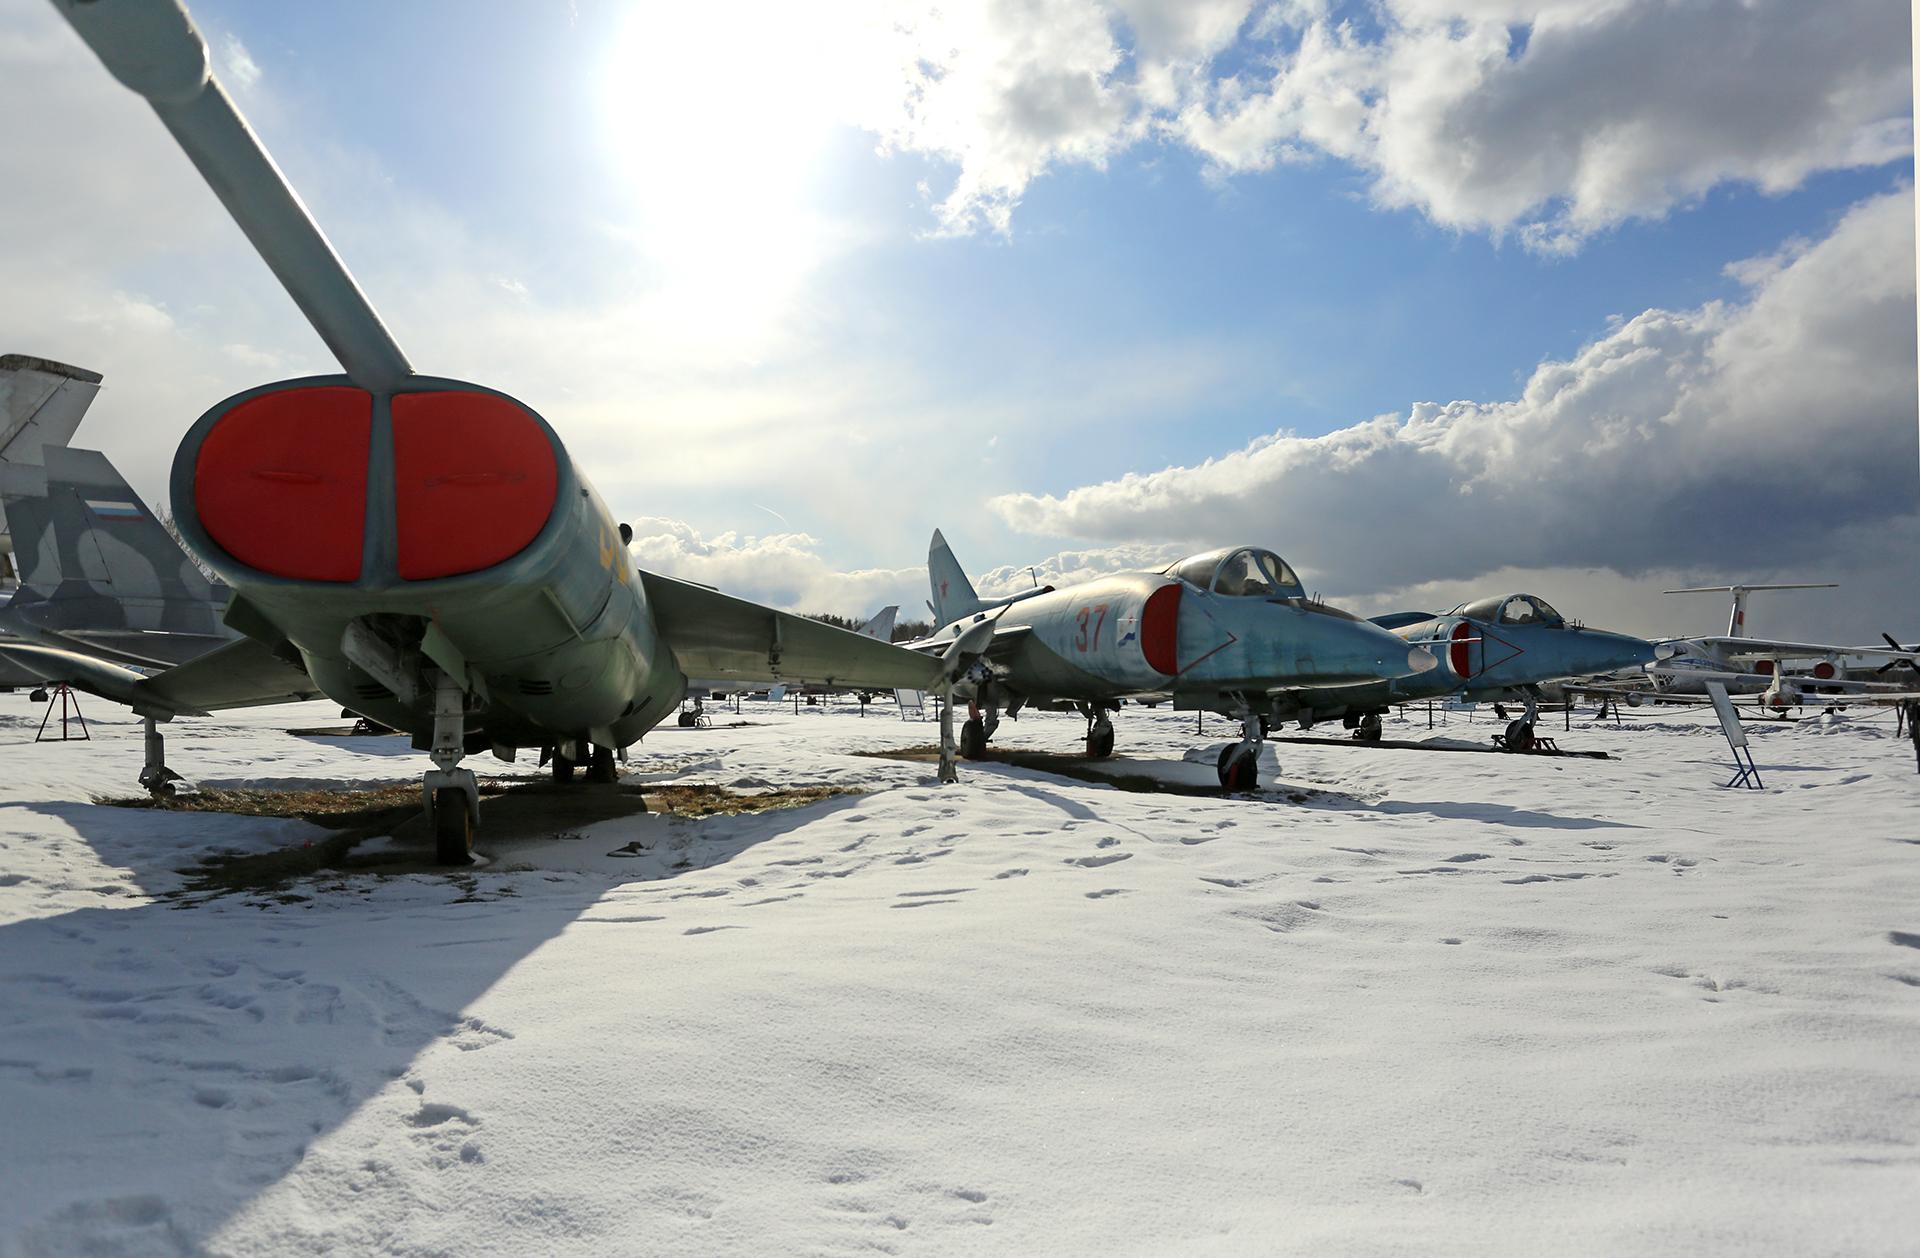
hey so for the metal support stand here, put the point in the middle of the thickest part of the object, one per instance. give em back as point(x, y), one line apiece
point(69, 711)
point(1745, 774)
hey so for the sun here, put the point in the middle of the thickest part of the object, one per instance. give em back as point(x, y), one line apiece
point(717, 121)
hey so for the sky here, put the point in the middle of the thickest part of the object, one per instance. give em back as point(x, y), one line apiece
point(1437, 298)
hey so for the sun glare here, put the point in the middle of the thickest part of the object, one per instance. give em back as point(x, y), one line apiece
point(718, 118)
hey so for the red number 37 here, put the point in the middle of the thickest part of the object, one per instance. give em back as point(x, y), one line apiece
point(1098, 615)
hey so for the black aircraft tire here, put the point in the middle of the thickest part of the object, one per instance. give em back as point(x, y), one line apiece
point(1238, 772)
point(1369, 730)
point(601, 767)
point(562, 768)
point(686, 720)
point(973, 739)
point(1100, 745)
point(1519, 736)
point(452, 827)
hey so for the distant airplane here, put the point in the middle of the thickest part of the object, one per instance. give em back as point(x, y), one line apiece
point(41, 404)
point(1501, 648)
point(424, 547)
point(1227, 631)
point(1746, 665)
point(1784, 674)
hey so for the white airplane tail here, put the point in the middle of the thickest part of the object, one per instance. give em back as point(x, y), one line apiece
point(953, 594)
point(41, 403)
point(880, 628)
point(1737, 619)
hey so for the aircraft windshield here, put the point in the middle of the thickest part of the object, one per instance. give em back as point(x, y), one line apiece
point(1255, 574)
point(1244, 573)
point(1524, 609)
point(1514, 609)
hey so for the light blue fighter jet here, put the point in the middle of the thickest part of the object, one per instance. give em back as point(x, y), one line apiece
point(1501, 648)
point(1223, 632)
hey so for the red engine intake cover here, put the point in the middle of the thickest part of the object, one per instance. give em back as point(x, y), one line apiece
point(1160, 630)
point(1763, 667)
point(474, 481)
point(1824, 670)
point(280, 482)
point(1460, 654)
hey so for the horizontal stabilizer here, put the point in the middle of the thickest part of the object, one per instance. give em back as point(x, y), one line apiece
point(242, 674)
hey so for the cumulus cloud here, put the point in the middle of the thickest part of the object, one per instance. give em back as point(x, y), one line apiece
point(1676, 440)
point(783, 570)
point(1550, 119)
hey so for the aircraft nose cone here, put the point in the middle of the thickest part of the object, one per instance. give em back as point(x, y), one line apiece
point(1421, 660)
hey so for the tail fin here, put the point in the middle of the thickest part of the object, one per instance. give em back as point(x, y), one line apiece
point(953, 594)
point(41, 403)
point(97, 565)
point(880, 628)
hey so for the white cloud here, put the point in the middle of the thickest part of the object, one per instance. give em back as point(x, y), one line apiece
point(1737, 437)
point(237, 62)
point(784, 570)
point(1550, 119)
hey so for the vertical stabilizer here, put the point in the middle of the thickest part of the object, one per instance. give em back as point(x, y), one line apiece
point(880, 628)
point(41, 403)
point(953, 594)
point(1737, 618)
point(95, 562)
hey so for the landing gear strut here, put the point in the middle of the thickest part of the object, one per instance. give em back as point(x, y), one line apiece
point(600, 766)
point(1239, 763)
point(1520, 732)
point(452, 794)
point(155, 775)
point(949, 770)
point(1099, 732)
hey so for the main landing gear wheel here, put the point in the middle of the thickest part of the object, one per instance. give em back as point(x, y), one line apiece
point(973, 739)
point(452, 827)
point(600, 767)
point(1369, 729)
point(1100, 742)
point(562, 768)
point(686, 720)
point(1239, 768)
point(1520, 735)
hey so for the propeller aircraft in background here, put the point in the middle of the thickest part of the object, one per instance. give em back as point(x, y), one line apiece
point(422, 550)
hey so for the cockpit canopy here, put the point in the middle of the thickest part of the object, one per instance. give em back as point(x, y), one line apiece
point(1239, 572)
point(1513, 609)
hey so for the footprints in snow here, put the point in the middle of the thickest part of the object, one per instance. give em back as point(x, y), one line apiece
point(879, 1211)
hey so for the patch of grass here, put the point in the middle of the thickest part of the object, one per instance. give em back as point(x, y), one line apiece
point(518, 811)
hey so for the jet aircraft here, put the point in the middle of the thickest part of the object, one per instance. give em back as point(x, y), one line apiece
point(99, 574)
point(1225, 632)
point(424, 548)
point(1501, 648)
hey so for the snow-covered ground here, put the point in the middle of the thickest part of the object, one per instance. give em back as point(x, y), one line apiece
point(1446, 1003)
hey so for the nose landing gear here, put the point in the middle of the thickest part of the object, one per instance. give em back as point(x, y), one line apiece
point(452, 794)
point(1099, 732)
point(1239, 763)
